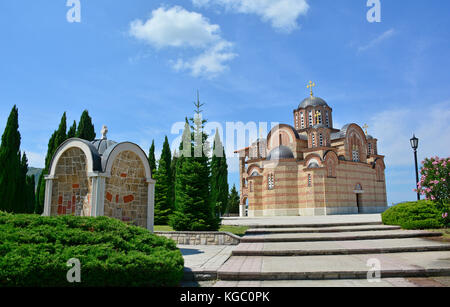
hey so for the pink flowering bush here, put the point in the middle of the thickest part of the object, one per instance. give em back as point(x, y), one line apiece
point(435, 183)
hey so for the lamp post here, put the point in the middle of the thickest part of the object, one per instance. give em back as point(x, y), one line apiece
point(415, 145)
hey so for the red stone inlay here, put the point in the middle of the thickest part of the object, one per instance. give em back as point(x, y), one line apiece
point(75, 186)
point(128, 199)
point(60, 200)
point(109, 196)
point(60, 210)
point(123, 175)
point(117, 198)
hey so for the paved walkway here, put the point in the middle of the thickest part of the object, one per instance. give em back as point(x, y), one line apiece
point(333, 251)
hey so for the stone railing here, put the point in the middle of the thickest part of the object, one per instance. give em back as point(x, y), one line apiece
point(201, 237)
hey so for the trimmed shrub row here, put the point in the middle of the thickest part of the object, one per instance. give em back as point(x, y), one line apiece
point(34, 251)
point(415, 215)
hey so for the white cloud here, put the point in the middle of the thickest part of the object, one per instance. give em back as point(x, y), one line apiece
point(384, 36)
point(394, 128)
point(210, 63)
point(178, 28)
point(282, 14)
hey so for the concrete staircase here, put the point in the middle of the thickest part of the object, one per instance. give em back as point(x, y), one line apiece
point(334, 251)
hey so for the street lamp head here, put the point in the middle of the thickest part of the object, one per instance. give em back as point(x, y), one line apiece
point(414, 143)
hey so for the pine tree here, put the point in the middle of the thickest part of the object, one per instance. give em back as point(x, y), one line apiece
point(219, 176)
point(152, 159)
point(72, 131)
point(10, 163)
point(233, 201)
point(164, 186)
point(86, 130)
point(192, 195)
point(57, 138)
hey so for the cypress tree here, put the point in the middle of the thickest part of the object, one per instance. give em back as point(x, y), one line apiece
point(72, 131)
point(86, 130)
point(233, 201)
point(57, 138)
point(31, 184)
point(21, 201)
point(164, 186)
point(152, 159)
point(10, 162)
point(219, 176)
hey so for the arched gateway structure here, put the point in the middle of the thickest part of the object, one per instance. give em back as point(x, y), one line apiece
point(312, 168)
point(101, 178)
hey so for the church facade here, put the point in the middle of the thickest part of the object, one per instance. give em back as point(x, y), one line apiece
point(312, 168)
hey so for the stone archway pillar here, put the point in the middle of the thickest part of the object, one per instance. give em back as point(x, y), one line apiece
point(242, 210)
point(48, 195)
point(98, 194)
point(151, 204)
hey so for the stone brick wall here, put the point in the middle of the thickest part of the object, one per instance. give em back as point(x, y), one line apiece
point(201, 238)
point(126, 191)
point(71, 192)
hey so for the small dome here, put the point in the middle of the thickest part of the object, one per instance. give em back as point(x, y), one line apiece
point(102, 145)
point(280, 153)
point(369, 137)
point(320, 126)
point(312, 102)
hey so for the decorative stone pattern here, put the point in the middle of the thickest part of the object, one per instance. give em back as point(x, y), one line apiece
point(126, 191)
point(71, 192)
point(201, 238)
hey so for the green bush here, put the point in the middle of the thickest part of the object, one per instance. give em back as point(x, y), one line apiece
point(415, 215)
point(34, 251)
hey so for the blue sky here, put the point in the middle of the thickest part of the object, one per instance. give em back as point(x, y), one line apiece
point(136, 66)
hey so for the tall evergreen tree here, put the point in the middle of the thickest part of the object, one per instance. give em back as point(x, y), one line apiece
point(152, 159)
point(233, 201)
point(72, 130)
point(31, 185)
point(164, 186)
point(192, 195)
point(219, 176)
point(10, 163)
point(57, 138)
point(21, 201)
point(86, 130)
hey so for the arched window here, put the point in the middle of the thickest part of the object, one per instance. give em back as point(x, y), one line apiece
point(296, 120)
point(302, 119)
point(321, 140)
point(310, 119)
point(313, 140)
point(370, 148)
point(327, 118)
point(309, 180)
point(355, 153)
point(319, 117)
point(270, 182)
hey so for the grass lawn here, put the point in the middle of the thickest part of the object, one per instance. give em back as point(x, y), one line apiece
point(237, 230)
point(445, 234)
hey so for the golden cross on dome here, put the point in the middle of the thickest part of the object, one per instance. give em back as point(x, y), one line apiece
point(310, 86)
point(365, 127)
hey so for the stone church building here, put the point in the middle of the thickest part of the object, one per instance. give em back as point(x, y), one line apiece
point(312, 168)
point(101, 178)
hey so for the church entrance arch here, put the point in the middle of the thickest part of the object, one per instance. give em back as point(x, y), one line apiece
point(359, 193)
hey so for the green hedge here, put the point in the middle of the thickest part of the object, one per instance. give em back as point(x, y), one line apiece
point(34, 251)
point(415, 215)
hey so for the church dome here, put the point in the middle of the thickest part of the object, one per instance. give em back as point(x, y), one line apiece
point(312, 102)
point(280, 153)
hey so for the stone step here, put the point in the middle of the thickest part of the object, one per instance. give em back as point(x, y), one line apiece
point(312, 225)
point(384, 282)
point(380, 246)
point(321, 229)
point(359, 235)
point(401, 265)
